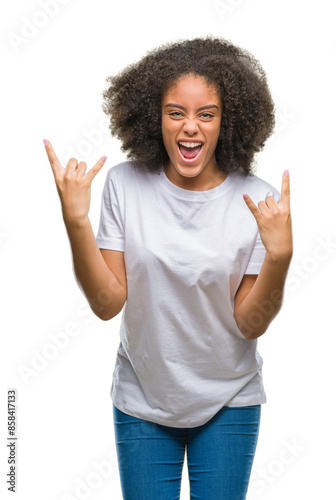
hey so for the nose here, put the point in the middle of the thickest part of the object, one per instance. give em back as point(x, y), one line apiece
point(190, 127)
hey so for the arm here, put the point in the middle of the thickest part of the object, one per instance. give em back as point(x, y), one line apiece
point(259, 298)
point(104, 289)
point(102, 280)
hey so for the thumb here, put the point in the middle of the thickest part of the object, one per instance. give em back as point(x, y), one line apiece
point(95, 169)
point(253, 208)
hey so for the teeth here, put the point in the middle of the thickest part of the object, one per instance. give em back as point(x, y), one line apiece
point(190, 144)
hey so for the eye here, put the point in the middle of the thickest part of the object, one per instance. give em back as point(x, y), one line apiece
point(206, 115)
point(175, 113)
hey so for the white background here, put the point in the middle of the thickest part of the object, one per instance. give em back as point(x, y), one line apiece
point(55, 58)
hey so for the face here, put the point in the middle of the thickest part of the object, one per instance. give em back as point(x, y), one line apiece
point(191, 117)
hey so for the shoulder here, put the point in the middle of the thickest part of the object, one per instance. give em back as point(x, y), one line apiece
point(127, 170)
point(122, 169)
point(254, 186)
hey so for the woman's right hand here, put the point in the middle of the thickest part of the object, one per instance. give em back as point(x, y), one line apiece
point(73, 185)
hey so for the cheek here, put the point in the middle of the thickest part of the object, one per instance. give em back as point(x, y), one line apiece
point(213, 135)
point(168, 135)
point(164, 128)
point(165, 137)
point(216, 135)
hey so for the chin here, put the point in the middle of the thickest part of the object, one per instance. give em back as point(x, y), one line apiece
point(189, 171)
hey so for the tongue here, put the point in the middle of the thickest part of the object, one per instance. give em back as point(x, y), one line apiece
point(190, 152)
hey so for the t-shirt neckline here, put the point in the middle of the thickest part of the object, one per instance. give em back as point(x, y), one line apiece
point(182, 193)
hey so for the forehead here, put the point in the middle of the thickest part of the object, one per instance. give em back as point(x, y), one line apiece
point(192, 88)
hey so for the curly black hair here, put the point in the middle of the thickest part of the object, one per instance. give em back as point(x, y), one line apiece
point(133, 101)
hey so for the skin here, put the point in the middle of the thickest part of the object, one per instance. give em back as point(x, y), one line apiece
point(101, 273)
point(184, 120)
point(258, 296)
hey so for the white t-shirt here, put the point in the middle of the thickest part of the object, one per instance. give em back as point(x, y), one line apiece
point(181, 356)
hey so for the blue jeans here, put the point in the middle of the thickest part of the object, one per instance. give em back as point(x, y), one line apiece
point(220, 454)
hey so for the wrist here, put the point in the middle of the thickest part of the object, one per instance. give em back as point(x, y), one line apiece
point(72, 222)
point(279, 258)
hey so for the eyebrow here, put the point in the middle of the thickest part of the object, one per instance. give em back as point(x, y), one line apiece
point(209, 106)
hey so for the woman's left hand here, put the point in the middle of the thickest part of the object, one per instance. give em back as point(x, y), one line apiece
point(274, 222)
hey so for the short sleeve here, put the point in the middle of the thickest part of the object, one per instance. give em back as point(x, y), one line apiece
point(110, 233)
point(259, 252)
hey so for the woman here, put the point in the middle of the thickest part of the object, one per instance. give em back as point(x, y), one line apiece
point(201, 266)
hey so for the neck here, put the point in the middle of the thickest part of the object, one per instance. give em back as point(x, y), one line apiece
point(205, 180)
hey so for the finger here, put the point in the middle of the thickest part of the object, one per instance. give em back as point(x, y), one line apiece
point(253, 208)
point(271, 203)
point(263, 208)
point(71, 166)
point(285, 189)
point(81, 168)
point(95, 169)
point(53, 160)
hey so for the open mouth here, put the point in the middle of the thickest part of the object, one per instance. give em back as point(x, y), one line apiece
point(190, 151)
